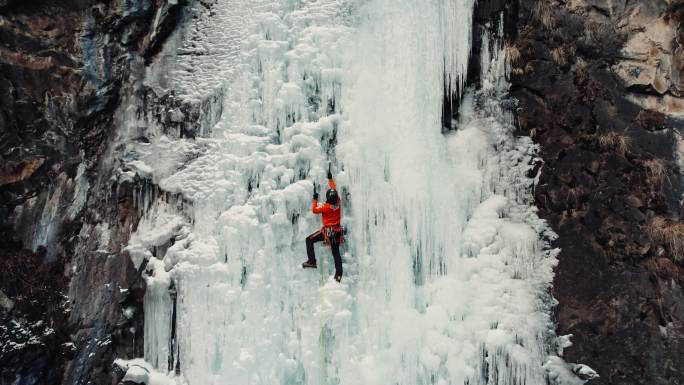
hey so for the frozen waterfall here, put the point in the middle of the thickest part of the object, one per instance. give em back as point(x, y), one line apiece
point(447, 266)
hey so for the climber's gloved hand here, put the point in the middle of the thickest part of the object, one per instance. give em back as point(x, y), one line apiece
point(329, 175)
point(315, 196)
point(329, 170)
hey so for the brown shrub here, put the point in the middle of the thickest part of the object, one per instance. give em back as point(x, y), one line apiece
point(668, 233)
point(618, 142)
point(656, 171)
point(542, 10)
point(512, 53)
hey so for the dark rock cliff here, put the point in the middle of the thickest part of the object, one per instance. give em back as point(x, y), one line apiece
point(599, 85)
point(70, 300)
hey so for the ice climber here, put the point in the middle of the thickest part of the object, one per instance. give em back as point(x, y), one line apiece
point(331, 232)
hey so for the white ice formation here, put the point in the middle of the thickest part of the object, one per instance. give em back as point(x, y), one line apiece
point(447, 266)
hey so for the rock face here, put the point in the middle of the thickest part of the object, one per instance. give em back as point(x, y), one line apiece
point(599, 88)
point(70, 299)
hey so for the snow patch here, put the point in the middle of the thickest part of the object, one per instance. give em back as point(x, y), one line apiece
point(562, 373)
point(140, 371)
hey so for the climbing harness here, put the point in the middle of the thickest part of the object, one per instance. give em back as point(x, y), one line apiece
point(333, 235)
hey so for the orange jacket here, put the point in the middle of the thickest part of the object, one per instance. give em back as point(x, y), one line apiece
point(331, 213)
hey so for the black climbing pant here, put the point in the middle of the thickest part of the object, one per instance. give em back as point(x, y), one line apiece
point(334, 245)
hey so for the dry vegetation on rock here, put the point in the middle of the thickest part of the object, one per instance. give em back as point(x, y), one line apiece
point(615, 141)
point(669, 234)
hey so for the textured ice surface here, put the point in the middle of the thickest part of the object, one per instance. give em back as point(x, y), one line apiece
point(446, 265)
point(206, 52)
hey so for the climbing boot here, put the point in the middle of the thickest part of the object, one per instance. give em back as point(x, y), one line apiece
point(309, 265)
point(338, 277)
